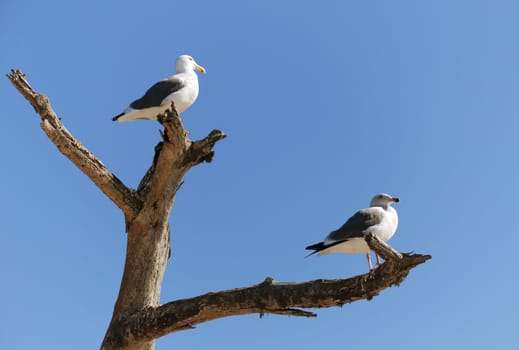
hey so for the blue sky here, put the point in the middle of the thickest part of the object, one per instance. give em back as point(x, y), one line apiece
point(325, 104)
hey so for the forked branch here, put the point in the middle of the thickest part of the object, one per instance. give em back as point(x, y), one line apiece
point(175, 154)
point(138, 318)
point(285, 298)
point(124, 197)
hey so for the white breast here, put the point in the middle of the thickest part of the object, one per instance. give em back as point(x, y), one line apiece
point(186, 96)
point(387, 228)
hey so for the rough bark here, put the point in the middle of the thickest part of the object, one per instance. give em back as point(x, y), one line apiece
point(124, 197)
point(148, 234)
point(138, 319)
point(284, 298)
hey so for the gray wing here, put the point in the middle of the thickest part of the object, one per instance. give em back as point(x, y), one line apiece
point(356, 225)
point(158, 92)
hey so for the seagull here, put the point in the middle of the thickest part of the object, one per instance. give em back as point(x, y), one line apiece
point(380, 219)
point(181, 88)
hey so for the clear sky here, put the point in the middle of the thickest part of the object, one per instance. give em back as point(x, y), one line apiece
point(325, 104)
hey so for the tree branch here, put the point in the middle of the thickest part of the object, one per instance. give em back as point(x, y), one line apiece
point(382, 248)
point(174, 144)
point(148, 233)
point(146, 210)
point(124, 197)
point(273, 297)
point(138, 319)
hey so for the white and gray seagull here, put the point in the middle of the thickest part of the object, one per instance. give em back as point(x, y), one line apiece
point(181, 88)
point(380, 219)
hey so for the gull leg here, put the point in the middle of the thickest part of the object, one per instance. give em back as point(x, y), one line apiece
point(378, 260)
point(369, 262)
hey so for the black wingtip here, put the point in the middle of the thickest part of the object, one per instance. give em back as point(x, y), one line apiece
point(312, 253)
point(114, 119)
point(315, 247)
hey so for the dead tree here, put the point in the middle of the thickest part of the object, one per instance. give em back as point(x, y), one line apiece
point(138, 318)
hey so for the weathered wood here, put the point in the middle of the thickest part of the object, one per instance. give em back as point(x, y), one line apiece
point(124, 197)
point(148, 233)
point(138, 318)
point(270, 297)
point(382, 248)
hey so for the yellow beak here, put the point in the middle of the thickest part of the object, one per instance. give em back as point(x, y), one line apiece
point(200, 68)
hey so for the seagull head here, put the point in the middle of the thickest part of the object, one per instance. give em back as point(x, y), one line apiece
point(383, 200)
point(186, 63)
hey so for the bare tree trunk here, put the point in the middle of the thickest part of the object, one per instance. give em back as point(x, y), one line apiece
point(138, 318)
point(148, 233)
